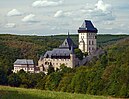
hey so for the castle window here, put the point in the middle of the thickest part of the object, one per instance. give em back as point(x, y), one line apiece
point(50, 63)
point(46, 63)
point(65, 43)
point(89, 49)
point(92, 48)
point(95, 37)
point(92, 42)
point(89, 42)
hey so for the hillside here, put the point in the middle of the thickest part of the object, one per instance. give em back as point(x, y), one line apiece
point(13, 47)
point(106, 76)
point(20, 93)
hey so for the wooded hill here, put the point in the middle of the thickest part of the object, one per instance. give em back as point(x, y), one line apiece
point(106, 76)
point(14, 47)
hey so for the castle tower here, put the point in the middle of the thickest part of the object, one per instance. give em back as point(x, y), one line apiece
point(87, 37)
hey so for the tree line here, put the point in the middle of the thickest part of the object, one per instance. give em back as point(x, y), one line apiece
point(107, 75)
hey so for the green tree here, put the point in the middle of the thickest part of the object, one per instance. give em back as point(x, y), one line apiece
point(53, 80)
point(50, 70)
point(3, 77)
point(79, 82)
point(64, 84)
point(65, 69)
point(41, 84)
point(85, 54)
point(14, 80)
point(78, 53)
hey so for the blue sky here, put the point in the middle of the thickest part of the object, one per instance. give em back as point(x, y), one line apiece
point(50, 17)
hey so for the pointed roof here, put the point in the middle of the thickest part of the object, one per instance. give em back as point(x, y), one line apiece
point(68, 43)
point(64, 50)
point(87, 26)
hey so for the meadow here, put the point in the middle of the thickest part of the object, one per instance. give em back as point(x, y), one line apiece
point(21, 93)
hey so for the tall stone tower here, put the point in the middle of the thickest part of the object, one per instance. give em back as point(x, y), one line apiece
point(87, 37)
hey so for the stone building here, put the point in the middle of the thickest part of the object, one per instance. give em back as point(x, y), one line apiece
point(64, 54)
point(26, 65)
point(58, 56)
point(87, 37)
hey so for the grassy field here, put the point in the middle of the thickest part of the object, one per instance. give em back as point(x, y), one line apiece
point(21, 93)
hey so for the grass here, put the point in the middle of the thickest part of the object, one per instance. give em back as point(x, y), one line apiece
point(21, 93)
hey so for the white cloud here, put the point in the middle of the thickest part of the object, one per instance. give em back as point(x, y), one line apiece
point(31, 18)
point(55, 28)
point(46, 3)
point(61, 13)
point(14, 12)
point(101, 12)
point(102, 6)
point(10, 25)
point(68, 13)
point(108, 22)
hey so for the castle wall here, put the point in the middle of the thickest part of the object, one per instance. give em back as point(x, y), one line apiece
point(89, 42)
point(56, 63)
point(26, 68)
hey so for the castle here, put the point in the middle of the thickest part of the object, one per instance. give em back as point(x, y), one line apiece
point(64, 54)
point(59, 56)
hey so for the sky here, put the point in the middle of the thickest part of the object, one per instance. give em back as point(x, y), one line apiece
point(55, 17)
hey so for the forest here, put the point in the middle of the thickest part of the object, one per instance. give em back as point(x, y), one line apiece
point(106, 76)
